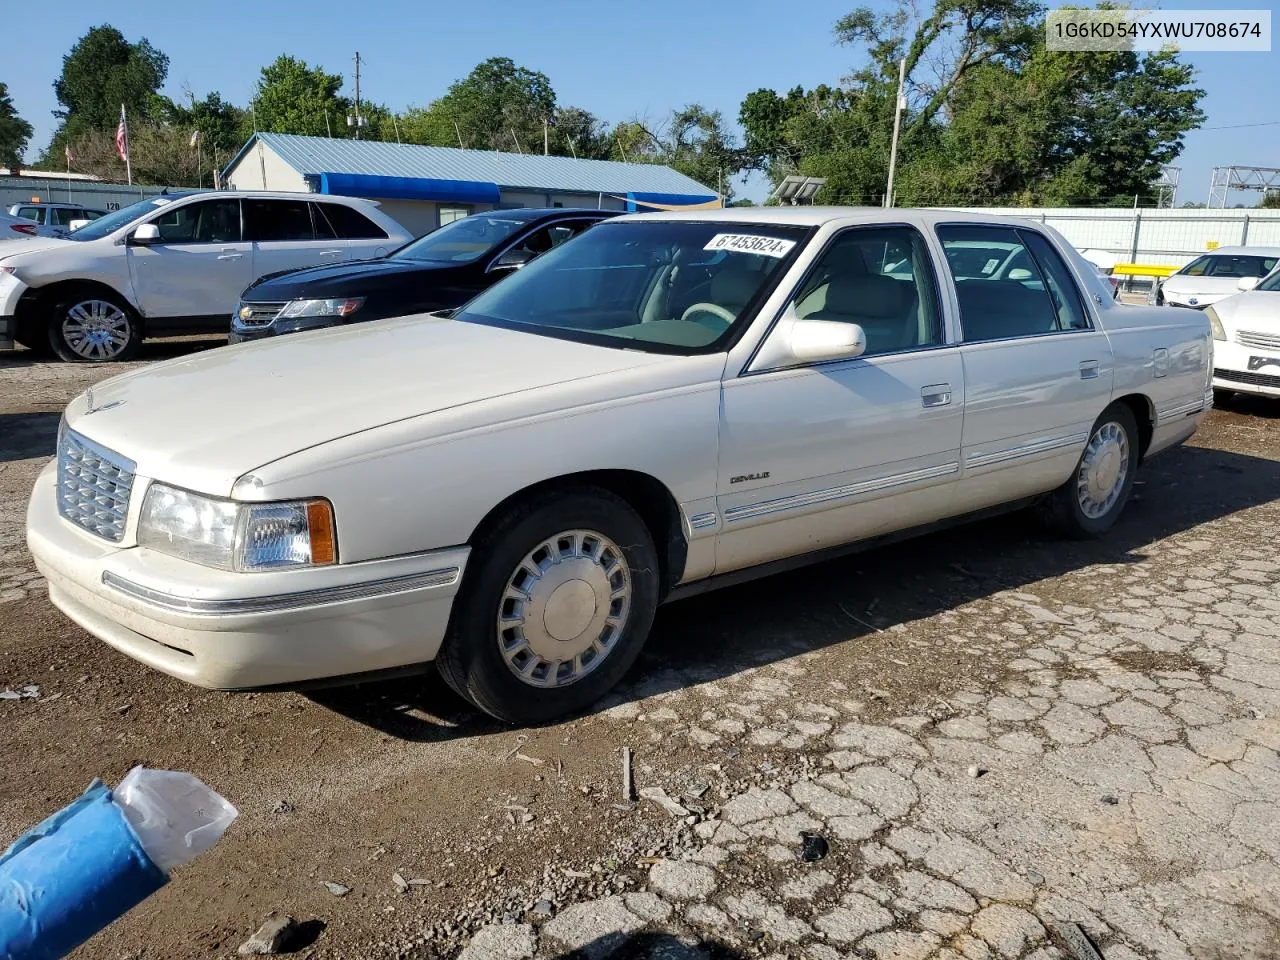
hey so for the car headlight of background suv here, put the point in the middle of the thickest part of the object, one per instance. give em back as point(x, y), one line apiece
point(339, 307)
point(237, 536)
point(1215, 324)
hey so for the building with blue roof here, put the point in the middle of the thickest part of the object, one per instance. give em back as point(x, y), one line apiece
point(424, 187)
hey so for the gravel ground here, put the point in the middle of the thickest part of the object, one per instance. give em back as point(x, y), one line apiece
point(997, 736)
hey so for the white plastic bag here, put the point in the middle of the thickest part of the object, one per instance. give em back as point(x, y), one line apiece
point(175, 816)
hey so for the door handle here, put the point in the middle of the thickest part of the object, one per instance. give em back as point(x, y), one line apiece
point(230, 255)
point(935, 395)
point(1088, 369)
point(330, 253)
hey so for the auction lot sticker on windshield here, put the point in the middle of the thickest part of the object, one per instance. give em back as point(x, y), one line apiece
point(750, 243)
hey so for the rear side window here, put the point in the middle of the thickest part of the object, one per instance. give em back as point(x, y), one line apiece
point(31, 213)
point(349, 224)
point(1009, 283)
point(276, 221)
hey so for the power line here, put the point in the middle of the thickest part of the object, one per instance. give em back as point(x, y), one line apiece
point(1241, 126)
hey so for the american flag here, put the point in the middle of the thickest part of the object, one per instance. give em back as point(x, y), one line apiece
point(122, 137)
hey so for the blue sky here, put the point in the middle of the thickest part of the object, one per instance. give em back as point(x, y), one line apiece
point(616, 59)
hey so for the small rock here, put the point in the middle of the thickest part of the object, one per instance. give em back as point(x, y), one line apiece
point(282, 806)
point(272, 937)
point(337, 889)
point(124, 708)
point(9, 695)
point(976, 771)
point(31, 691)
point(663, 799)
point(1035, 877)
point(813, 847)
point(1110, 799)
point(544, 908)
point(401, 883)
point(682, 880)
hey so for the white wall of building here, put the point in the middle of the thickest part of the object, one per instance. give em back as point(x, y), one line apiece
point(264, 169)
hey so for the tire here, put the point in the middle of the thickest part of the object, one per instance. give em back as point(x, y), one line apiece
point(1221, 396)
point(87, 326)
point(561, 648)
point(1091, 500)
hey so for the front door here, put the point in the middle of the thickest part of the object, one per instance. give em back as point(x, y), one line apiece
point(825, 454)
point(1038, 372)
point(196, 269)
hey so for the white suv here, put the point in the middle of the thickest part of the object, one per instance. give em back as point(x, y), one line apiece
point(173, 265)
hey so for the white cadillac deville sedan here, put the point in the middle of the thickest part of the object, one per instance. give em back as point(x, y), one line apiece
point(667, 402)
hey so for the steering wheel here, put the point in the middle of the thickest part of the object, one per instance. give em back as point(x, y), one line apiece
point(712, 308)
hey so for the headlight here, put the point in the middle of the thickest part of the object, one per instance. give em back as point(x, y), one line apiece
point(1215, 324)
point(237, 536)
point(321, 308)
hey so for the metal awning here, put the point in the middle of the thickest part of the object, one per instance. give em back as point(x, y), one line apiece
point(408, 188)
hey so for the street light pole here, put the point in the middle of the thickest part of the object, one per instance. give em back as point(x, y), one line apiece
point(899, 105)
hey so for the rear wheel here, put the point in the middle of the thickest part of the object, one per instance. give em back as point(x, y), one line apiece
point(93, 327)
point(557, 603)
point(1090, 502)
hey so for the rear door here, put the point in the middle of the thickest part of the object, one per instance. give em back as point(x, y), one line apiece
point(284, 237)
point(1037, 370)
point(196, 269)
point(347, 234)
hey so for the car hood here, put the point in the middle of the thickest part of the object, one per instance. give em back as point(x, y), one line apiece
point(345, 279)
point(1205, 290)
point(203, 421)
point(1256, 310)
point(12, 251)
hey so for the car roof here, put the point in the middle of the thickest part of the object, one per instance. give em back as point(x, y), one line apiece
point(812, 216)
point(1242, 252)
point(534, 213)
point(263, 194)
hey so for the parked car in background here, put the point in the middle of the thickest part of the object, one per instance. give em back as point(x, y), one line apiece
point(18, 228)
point(1246, 333)
point(173, 265)
point(1215, 275)
point(60, 218)
point(668, 402)
point(438, 271)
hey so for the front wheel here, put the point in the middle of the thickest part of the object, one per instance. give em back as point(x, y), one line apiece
point(93, 327)
point(1090, 502)
point(555, 608)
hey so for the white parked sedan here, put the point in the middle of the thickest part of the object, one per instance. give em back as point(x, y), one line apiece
point(1246, 333)
point(1214, 276)
point(665, 403)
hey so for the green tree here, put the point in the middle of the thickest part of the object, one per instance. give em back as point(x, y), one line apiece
point(294, 97)
point(1270, 200)
point(579, 133)
point(100, 73)
point(14, 131)
point(497, 106)
point(223, 126)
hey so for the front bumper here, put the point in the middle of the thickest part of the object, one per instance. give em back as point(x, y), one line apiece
point(224, 630)
point(1231, 369)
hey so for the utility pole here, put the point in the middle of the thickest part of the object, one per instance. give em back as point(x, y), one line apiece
point(899, 105)
point(357, 94)
point(458, 131)
point(545, 141)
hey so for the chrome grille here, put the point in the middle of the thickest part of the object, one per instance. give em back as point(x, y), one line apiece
point(1263, 341)
point(257, 314)
point(93, 486)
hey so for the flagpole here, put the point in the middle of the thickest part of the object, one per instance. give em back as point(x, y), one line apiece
point(124, 125)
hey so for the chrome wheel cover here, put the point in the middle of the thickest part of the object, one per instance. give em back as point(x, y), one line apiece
point(1103, 469)
point(96, 330)
point(564, 608)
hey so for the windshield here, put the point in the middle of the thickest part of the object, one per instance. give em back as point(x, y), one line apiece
point(463, 240)
point(1231, 266)
point(661, 286)
point(110, 223)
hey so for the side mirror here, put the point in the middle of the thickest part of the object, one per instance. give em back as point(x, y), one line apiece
point(813, 341)
point(514, 259)
point(1247, 283)
point(146, 234)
